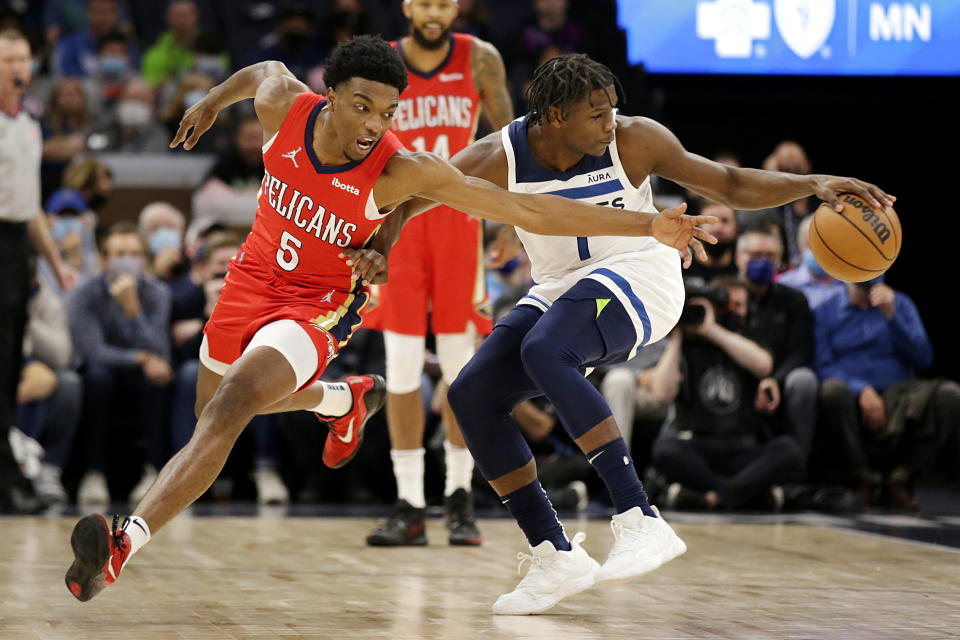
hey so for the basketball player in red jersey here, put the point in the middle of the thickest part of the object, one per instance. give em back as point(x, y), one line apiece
point(333, 174)
point(437, 266)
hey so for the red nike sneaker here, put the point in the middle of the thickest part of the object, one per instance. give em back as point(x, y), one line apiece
point(99, 554)
point(346, 432)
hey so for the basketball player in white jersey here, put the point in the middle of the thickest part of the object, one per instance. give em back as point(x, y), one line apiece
point(597, 301)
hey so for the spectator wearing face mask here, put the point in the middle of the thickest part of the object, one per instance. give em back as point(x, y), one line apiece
point(119, 322)
point(115, 66)
point(719, 260)
point(72, 227)
point(161, 227)
point(209, 57)
point(809, 277)
point(76, 54)
point(187, 91)
point(780, 318)
point(130, 126)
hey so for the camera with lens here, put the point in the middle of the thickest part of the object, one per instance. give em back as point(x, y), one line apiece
point(693, 315)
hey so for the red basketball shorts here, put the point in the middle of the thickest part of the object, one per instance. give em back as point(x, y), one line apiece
point(436, 267)
point(252, 299)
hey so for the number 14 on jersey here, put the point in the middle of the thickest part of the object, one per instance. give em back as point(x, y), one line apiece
point(441, 146)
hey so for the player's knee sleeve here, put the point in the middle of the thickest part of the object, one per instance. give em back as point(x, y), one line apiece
point(454, 351)
point(293, 343)
point(541, 354)
point(404, 361)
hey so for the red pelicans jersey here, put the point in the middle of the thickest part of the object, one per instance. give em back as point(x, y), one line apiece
point(437, 264)
point(288, 267)
point(439, 110)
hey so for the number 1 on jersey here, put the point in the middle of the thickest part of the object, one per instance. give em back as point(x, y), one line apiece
point(441, 146)
point(287, 256)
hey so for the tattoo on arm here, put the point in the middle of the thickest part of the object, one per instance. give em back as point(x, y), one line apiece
point(490, 78)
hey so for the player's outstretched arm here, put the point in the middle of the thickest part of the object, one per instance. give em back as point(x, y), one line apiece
point(272, 85)
point(437, 180)
point(739, 188)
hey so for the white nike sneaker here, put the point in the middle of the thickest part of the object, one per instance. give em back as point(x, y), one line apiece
point(641, 544)
point(553, 576)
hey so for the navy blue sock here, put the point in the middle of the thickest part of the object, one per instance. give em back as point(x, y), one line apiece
point(612, 461)
point(535, 515)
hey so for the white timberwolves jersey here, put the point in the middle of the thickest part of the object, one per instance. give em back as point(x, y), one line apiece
point(641, 272)
point(597, 180)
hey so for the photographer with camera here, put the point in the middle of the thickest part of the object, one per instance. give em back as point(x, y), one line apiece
point(715, 449)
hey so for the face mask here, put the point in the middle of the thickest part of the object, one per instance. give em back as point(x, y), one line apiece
point(113, 65)
point(813, 266)
point(62, 226)
point(133, 113)
point(760, 271)
point(164, 238)
point(717, 250)
point(509, 266)
point(210, 65)
point(191, 98)
point(131, 265)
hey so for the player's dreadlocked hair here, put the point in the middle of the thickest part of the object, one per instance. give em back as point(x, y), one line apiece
point(562, 81)
point(368, 57)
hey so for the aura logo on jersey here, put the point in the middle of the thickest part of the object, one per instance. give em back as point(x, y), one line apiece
point(804, 24)
point(433, 111)
point(301, 210)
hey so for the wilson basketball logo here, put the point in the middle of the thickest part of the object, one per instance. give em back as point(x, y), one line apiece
point(870, 217)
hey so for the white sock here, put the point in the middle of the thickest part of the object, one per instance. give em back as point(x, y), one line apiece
point(408, 470)
point(139, 533)
point(337, 399)
point(459, 467)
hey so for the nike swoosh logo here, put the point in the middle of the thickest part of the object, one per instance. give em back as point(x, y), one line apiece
point(349, 436)
point(590, 460)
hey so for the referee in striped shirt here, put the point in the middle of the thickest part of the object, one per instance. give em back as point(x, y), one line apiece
point(21, 220)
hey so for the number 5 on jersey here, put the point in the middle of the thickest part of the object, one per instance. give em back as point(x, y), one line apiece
point(287, 256)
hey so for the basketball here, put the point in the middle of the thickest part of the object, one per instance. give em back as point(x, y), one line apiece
point(856, 244)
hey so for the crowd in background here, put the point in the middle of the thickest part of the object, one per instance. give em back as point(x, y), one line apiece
point(781, 387)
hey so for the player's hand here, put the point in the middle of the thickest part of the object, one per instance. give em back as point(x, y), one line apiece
point(829, 188)
point(882, 297)
point(368, 265)
point(199, 117)
point(768, 396)
point(683, 232)
point(874, 413)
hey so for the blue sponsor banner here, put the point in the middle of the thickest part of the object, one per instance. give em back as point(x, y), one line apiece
point(811, 37)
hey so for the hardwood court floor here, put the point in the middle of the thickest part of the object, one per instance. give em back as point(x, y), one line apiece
point(226, 577)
